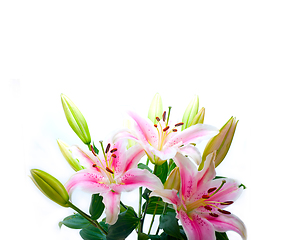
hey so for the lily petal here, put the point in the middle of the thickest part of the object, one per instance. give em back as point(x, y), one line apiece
point(134, 154)
point(85, 158)
point(208, 172)
point(111, 201)
point(192, 152)
point(168, 195)
point(136, 177)
point(196, 227)
point(193, 134)
point(224, 223)
point(89, 180)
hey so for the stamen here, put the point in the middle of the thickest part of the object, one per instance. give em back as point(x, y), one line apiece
point(155, 125)
point(175, 130)
point(211, 189)
point(205, 196)
point(213, 214)
point(208, 207)
point(164, 116)
point(114, 155)
point(179, 124)
point(158, 119)
point(223, 211)
point(109, 170)
point(223, 182)
point(94, 165)
point(113, 150)
point(227, 203)
point(103, 151)
point(108, 148)
point(93, 151)
point(165, 129)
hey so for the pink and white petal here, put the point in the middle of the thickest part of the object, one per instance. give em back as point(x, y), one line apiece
point(192, 152)
point(89, 180)
point(224, 223)
point(196, 227)
point(133, 156)
point(86, 159)
point(164, 154)
point(193, 134)
point(111, 201)
point(187, 173)
point(119, 157)
point(208, 171)
point(135, 178)
point(123, 134)
point(168, 195)
point(145, 129)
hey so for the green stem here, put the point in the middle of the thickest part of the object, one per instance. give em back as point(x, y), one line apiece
point(164, 210)
point(153, 218)
point(86, 216)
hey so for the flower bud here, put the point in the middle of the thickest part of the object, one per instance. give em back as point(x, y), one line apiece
point(173, 181)
point(74, 163)
point(221, 142)
point(76, 120)
point(199, 118)
point(50, 186)
point(190, 112)
point(156, 108)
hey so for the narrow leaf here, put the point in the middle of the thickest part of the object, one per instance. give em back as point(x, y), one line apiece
point(75, 221)
point(92, 233)
point(96, 206)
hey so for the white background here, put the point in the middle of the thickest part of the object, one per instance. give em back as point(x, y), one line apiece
point(241, 57)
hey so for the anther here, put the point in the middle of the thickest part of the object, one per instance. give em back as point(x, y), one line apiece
point(175, 130)
point(179, 124)
point(165, 129)
point(155, 125)
point(224, 211)
point(108, 148)
point(164, 116)
point(113, 150)
point(94, 165)
point(114, 155)
point(211, 189)
point(213, 214)
point(227, 203)
point(208, 207)
point(205, 196)
point(158, 119)
point(109, 170)
point(93, 151)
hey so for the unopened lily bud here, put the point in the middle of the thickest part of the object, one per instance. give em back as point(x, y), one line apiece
point(199, 117)
point(156, 108)
point(190, 112)
point(74, 163)
point(50, 186)
point(76, 120)
point(221, 142)
point(173, 181)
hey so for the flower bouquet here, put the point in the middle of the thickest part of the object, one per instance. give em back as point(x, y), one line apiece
point(176, 182)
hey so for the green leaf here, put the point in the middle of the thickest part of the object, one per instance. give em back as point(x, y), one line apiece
point(142, 236)
point(152, 206)
point(146, 194)
point(143, 166)
point(169, 224)
point(96, 206)
point(171, 167)
point(126, 223)
point(75, 221)
point(92, 233)
point(161, 172)
point(221, 236)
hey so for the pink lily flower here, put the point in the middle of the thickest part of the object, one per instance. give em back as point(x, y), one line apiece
point(201, 200)
point(111, 174)
point(161, 141)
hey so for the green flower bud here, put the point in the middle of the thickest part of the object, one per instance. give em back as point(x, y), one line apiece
point(220, 143)
point(190, 112)
point(199, 118)
point(173, 181)
point(76, 120)
point(156, 108)
point(50, 186)
point(74, 163)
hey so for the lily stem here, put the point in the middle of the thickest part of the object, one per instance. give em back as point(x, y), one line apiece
point(86, 216)
point(153, 218)
point(164, 210)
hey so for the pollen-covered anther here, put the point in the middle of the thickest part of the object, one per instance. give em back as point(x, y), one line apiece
point(93, 151)
point(113, 150)
point(164, 116)
point(205, 196)
point(94, 165)
point(213, 214)
point(179, 124)
point(114, 155)
point(211, 189)
point(227, 203)
point(223, 211)
point(208, 207)
point(155, 125)
point(158, 119)
point(109, 170)
point(175, 130)
point(165, 129)
point(108, 148)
